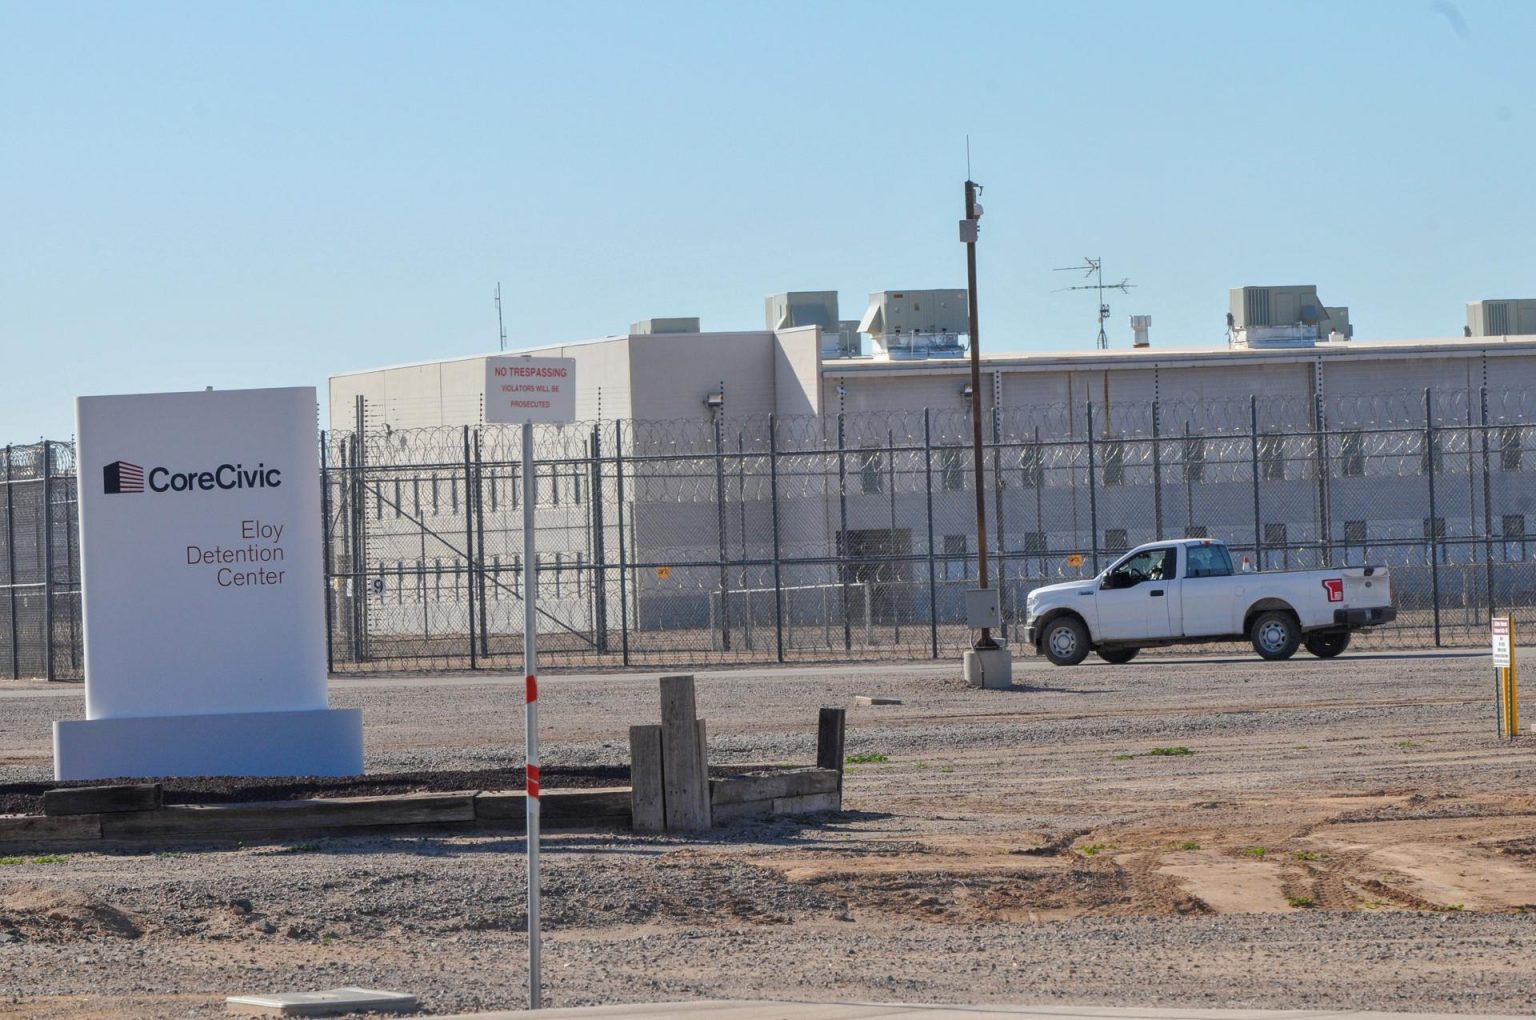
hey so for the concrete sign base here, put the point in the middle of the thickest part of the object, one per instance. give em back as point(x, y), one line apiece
point(323, 742)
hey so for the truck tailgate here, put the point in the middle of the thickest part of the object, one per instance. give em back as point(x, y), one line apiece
point(1367, 587)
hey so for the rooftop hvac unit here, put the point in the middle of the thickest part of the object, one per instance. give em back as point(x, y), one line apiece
point(915, 324)
point(675, 325)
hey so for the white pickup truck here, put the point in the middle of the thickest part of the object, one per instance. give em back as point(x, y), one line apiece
point(1186, 592)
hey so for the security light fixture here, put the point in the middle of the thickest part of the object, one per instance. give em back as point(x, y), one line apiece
point(966, 391)
point(715, 401)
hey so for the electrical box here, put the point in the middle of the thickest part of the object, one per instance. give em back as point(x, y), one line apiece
point(983, 608)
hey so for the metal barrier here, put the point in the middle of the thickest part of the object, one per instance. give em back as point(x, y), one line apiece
point(40, 631)
point(845, 537)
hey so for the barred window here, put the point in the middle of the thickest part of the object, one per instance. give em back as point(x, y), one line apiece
point(1509, 448)
point(1432, 456)
point(957, 565)
point(1034, 543)
point(1114, 463)
point(1031, 467)
point(1272, 458)
point(952, 467)
point(1352, 454)
point(1116, 540)
point(1514, 536)
point(871, 471)
point(1194, 458)
point(1197, 531)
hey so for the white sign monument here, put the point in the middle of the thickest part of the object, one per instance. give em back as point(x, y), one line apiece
point(203, 588)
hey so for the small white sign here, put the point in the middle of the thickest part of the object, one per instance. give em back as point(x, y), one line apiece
point(1501, 656)
point(537, 390)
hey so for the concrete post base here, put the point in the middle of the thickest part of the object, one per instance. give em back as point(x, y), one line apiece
point(989, 667)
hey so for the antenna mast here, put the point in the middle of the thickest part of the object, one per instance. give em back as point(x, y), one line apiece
point(1095, 268)
point(499, 327)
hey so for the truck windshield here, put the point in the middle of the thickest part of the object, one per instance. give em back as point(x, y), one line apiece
point(1208, 561)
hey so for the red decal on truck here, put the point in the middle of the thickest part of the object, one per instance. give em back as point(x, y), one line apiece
point(1335, 586)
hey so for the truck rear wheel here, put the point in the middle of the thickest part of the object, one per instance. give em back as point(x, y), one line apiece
point(1275, 635)
point(1118, 656)
point(1327, 645)
point(1065, 641)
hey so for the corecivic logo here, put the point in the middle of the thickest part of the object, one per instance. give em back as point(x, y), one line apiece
point(123, 477)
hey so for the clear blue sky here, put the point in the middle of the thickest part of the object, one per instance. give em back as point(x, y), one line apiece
point(250, 194)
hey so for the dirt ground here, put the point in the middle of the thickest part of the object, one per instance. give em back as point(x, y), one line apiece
point(1195, 831)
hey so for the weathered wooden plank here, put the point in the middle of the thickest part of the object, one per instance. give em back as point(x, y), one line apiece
point(725, 814)
point(810, 804)
point(95, 800)
point(704, 773)
point(830, 728)
point(38, 832)
point(685, 786)
point(647, 803)
point(769, 785)
point(292, 815)
point(501, 806)
point(562, 807)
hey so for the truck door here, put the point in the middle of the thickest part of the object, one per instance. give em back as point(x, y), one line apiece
point(1208, 592)
point(1132, 600)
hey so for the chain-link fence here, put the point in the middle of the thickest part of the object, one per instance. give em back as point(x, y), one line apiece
point(39, 564)
point(853, 536)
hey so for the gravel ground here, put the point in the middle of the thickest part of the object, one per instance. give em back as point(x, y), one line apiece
point(1342, 834)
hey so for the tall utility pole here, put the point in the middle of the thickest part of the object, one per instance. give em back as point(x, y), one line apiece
point(968, 232)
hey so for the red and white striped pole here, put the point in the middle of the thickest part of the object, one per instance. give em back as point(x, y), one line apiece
point(531, 700)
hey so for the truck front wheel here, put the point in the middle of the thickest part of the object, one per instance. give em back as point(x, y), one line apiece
point(1065, 641)
point(1275, 635)
point(1326, 646)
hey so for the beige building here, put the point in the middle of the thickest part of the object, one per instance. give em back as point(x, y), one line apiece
point(1297, 453)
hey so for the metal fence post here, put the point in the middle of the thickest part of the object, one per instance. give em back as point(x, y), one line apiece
point(325, 548)
point(10, 560)
point(773, 490)
point(599, 545)
point(895, 605)
point(1487, 511)
point(359, 526)
point(997, 499)
point(1324, 488)
point(479, 497)
point(1093, 496)
point(1434, 517)
point(933, 584)
point(618, 467)
point(469, 551)
point(48, 670)
point(1253, 450)
point(1157, 469)
point(842, 535)
point(723, 536)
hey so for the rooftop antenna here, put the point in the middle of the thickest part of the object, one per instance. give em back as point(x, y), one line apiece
point(1095, 268)
point(499, 327)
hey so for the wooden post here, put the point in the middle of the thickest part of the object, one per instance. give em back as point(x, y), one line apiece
point(646, 801)
point(829, 742)
point(685, 783)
